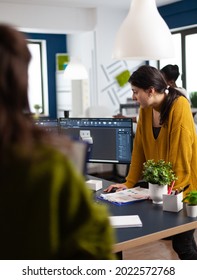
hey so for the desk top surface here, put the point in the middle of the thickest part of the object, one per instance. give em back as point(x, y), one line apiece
point(157, 223)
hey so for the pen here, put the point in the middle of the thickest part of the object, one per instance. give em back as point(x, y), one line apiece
point(171, 187)
point(184, 189)
point(176, 192)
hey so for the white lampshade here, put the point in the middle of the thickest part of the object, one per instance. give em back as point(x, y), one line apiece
point(143, 35)
point(75, 70)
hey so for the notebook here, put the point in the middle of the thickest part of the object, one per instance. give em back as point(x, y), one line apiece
point(125, 221)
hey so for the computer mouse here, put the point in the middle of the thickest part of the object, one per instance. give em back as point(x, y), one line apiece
point(114, 189)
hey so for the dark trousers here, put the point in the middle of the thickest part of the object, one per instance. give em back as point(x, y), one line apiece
point(184, 245)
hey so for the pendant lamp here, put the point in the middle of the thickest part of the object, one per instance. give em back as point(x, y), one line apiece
point(75, 70)
point(143, 35)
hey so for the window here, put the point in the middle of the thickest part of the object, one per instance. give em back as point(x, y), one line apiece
point(191, 61)
point(185, 44)
point(178, 56)
point(38, 85)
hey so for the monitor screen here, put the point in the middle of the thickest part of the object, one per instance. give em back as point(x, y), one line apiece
point(49, 125)
point(110, 139)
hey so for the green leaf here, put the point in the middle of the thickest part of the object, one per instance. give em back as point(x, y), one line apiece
point(159, 172)
point(191, 198)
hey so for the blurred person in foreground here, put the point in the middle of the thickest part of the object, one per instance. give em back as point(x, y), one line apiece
point(46, 210)
point(165, 130)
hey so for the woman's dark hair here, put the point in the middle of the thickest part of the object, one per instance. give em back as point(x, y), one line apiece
point(16, 124)
point(171, 72)
point(146, 77)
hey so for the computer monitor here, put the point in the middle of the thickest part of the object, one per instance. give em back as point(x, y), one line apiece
point(48, 124)
point(110, 139)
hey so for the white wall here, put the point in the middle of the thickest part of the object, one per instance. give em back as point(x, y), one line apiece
point(38, 18)
point(82, 47)
point(109, 92)
point(95, 50)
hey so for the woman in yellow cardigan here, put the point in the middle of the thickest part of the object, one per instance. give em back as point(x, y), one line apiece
point(165, 130)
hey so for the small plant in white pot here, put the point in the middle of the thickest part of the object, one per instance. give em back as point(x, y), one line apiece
point(37, 108)
point(193, 99)
point(159, 176)
point(191, 203)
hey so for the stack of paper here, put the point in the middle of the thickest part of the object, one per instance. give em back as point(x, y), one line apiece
point(125, 221)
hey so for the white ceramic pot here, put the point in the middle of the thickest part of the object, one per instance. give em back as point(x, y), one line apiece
point(156, 192)
point(191, 210)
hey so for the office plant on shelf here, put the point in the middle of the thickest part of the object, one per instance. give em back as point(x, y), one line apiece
point(37, 108)
point(193, 99)
point(159, 175)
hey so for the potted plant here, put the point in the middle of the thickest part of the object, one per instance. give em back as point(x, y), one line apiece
point(191, 203)
point(193, 99)
point(159, 176)
point(37, 108)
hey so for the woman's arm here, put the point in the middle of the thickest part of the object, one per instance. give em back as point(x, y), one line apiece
point(137, 158)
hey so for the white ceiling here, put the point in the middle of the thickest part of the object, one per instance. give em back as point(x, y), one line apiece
point(84, 3)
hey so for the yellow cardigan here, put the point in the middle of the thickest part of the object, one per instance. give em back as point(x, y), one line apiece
point(176, 142)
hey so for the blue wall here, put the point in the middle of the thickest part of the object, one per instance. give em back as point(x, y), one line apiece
point(55, 43)
point(179, 14)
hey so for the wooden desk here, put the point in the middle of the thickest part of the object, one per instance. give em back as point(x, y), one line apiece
point(157, 224)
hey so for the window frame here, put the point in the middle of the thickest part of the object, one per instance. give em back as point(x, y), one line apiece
point(183, 32)
point(43, 76)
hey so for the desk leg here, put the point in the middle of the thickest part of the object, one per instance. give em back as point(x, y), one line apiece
point(119, 255)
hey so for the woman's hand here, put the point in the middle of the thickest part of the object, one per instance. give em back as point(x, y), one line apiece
point(119, 187)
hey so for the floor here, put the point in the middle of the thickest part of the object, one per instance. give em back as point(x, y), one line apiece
point(159, 250)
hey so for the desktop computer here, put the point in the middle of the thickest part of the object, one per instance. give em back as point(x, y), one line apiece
point(110, 139)
point(48, 124)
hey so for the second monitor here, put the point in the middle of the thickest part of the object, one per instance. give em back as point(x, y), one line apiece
point(111, 139)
